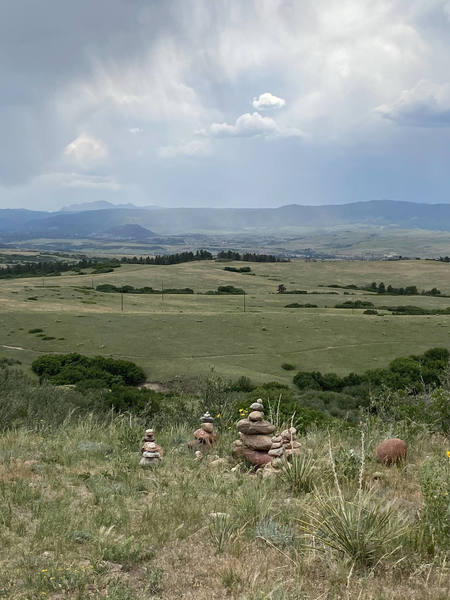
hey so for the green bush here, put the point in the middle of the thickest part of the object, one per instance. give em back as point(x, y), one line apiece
point(288, 367)
point(73, 368)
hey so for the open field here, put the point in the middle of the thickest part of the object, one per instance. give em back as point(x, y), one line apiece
point(190, 334)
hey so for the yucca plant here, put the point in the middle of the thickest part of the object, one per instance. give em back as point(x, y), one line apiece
point(222, 531)
point(363, 529)
point(299, 475)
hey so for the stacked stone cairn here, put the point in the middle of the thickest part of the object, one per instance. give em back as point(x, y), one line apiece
point(255, 441)
point(204, 436)
point(151, 452)
point(288, 441)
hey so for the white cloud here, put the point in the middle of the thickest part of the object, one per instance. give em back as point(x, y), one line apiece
point(136, 130)
point(268, 100)
point(86, 150)
point(251, 125)
point(192, 148)
point(78, 180)
point(427, 104)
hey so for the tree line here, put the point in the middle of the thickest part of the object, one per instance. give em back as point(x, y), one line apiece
point(50, 268)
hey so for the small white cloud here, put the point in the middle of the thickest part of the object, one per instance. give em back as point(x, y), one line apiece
point(136, 130)
point(86, 150)
point(251, 125)
point(193, 148)
point(78, 180)
point(268, 100)
point(427, 104)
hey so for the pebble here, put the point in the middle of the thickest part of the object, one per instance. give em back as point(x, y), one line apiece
point(257, 406)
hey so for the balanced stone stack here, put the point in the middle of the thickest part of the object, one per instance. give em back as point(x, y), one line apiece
point(255, 441)
point(204, 436)
point(151, 452)
point(289, 441)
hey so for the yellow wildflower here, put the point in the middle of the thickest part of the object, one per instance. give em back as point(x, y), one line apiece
point(448, 453)
point(44, 571)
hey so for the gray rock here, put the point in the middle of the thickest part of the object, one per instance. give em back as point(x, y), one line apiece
point(255, 427)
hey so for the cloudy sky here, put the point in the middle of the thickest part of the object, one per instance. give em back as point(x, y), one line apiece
point(224, 102)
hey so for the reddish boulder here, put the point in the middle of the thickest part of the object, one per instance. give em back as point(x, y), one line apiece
point(391, 451)
point(256, 442)
point(256, 458)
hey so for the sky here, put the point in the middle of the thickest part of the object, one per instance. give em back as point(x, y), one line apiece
point(253, 103)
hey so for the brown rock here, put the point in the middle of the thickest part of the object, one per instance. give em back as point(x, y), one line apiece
point(256, 415)
point(276, 445)
point(152, 447)
point(208, 427)
point(205, 437)
point(277, 438)
point(256, 442)
point(255, 427)
point(237, 448)
point(391, 451)
point(256, 458)
point(276, 452)
point(292, 445)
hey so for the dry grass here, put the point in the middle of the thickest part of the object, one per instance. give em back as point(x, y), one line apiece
point(80, 520)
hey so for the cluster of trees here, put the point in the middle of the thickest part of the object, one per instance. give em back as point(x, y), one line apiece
point(414, 372)
point(297, 305)
point(169, 259)
point(129, 289)
point(282, 289)
point(410, 290)
point(416, 310)
point(63, 369)
point(226, 289)
point(381, 288)
point(54, 268)
point(249, 256)
point(355, 304)
point(238, 270)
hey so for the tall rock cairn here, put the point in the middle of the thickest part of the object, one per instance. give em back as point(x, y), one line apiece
point(204, 436)
point(151, 452)
point(255, 439)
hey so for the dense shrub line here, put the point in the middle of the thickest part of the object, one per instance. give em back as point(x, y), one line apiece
point(50, 268)
point(129, 289)
point(381, 288)
point(168, 259)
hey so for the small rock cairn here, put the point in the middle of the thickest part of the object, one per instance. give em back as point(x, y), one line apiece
point(255, 442)
point(151, 452)
point(204, 436)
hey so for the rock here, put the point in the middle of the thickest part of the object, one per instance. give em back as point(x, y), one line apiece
point(152, 447)
point(207, 418)
point(253, 428)
point(256, 458)
point(256, 415)
point(198, 455)
point(208, 427)
point(391, 451)
point(276, 439)
point(236, 469)
point(237, 448)
point(204, 436)
point(149, 462)
point(276, 445)
point(256, 442)
point(257, 406)
point(267, 471)
point(151, 455)
point(292, 445)
point(276, 452)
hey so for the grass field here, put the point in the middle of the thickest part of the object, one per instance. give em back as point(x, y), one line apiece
point(191, 334)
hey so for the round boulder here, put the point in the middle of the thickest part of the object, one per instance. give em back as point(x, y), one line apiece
point(391, 451)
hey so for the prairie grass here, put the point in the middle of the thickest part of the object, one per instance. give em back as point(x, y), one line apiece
point(79, 519)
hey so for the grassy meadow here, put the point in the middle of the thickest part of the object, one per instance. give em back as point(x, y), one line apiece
point(194, 333)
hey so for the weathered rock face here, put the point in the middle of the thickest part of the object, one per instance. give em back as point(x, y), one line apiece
point(255, 428)
point(391, 451)
point(256, 442)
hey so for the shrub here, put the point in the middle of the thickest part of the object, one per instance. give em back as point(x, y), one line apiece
point(73, 368)
point(370, 311)
point(288, 367)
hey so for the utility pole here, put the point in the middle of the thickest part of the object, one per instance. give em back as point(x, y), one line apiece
point(43, 282)
point(162, 291)
point(92, 283)
point(244, 302)
point(121, 301)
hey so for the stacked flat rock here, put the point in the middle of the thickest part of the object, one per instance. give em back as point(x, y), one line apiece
point(151, 452)
point(204, 436)
point(289, 442)
point(254, 433)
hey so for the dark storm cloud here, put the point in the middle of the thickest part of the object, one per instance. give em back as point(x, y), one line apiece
point(228, 102)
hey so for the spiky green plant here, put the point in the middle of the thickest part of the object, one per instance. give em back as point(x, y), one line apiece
point(299, 475)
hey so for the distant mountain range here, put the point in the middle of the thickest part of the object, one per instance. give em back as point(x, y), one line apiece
point(115, 221)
